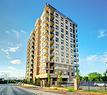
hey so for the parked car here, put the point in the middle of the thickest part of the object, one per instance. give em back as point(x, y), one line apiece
point(100, 84)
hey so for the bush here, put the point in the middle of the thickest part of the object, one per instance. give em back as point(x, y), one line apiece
point(70, 89)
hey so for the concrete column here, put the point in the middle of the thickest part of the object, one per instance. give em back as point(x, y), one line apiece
point(43, 83)
point(51, 82)
point(75, 84)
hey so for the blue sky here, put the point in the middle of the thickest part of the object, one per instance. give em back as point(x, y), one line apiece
point(17, 18)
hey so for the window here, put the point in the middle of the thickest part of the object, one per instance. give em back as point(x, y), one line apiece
point(57, 40)
point(71, 45)
point(66, 21)
point(70, 34)
point(66, 32)
point(62, 41)
point(66, 27)
point(62, 35)
point(66, 44)
point(62, 47)
point(67, 61)
point(57, 22)
point(62, 18)
point(71, 24)
point(70, 29)
point(62, 30)
point(57, 27)
point(57, 33)
point(57, 45)
point(57, 59)
point(62, 53)
point(62, 25)
point(56, 15)
point(47, 18)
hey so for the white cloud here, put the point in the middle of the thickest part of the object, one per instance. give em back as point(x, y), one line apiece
point(98, 58)
point(13, 49)
point(102, 33)
point(10, 50)
point(6, 53)
point(16, 61)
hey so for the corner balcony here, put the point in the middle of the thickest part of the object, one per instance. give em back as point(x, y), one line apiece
point(45, 55)
point(51, 29)
point(46, 21)
point(51, 48)
point(46, 48)
point(51, 16)
point(46, 14)
point(51, 11)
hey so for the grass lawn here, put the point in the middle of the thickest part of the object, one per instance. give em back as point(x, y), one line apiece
point(70, 89)
point(97, 91)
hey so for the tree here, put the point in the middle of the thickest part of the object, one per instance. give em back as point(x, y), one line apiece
point(59, 78)
point(94, 77)
point(49, 79)
point(85, 78)
point(37, 81)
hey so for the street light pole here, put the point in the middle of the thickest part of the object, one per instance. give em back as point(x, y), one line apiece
point(105, 78)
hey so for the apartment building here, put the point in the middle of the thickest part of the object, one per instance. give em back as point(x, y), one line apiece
point(52, 48)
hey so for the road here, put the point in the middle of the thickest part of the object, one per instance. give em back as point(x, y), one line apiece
point(14, 90)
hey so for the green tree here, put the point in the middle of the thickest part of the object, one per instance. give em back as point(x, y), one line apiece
point(49, 79)
point(59, 78)
point(94, 77)
point(37, 81)
point(85, 78)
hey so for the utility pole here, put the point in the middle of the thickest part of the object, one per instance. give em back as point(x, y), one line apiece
point(105, 78)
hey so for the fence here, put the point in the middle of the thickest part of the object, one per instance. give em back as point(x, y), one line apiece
point(102, 86)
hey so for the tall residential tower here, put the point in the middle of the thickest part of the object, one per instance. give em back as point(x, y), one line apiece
point(52, 48)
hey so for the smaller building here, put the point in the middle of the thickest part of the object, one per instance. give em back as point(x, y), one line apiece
point(2, 80)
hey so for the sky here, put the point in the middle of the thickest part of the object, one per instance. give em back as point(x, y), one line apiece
point(17, 19)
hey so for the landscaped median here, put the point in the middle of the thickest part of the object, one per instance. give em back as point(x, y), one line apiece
point(62, 90)
point(92, 92)
point(27, 85)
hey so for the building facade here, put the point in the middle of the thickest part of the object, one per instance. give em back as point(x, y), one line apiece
point(52, 48)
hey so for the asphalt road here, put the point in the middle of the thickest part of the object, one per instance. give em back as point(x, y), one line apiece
point(13, 90)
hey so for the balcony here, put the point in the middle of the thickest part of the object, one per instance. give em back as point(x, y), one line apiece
point(46, 21)
point(46, 14)
point(52, 16)
point(52, 11)
point(51, 23)
point(45, 55)
point(51, 36)
point(46, 28)
point(51, 48)
point(51, 57)
point(46, 47)
point(51, 29)
point(51, 67)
